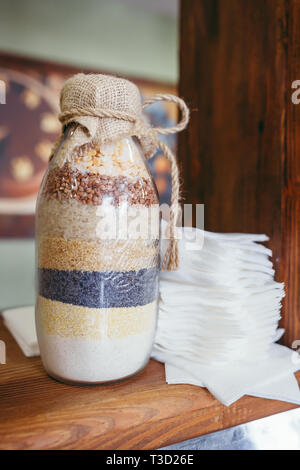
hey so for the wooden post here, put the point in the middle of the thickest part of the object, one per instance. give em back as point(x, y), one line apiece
point(241, 155)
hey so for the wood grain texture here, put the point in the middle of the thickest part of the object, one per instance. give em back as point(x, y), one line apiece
point(37, 412)
point(290, 243)
point(241, 153)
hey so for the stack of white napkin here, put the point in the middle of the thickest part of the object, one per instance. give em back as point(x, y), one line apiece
point(218, 319)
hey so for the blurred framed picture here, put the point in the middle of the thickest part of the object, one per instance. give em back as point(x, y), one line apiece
point(29, 126)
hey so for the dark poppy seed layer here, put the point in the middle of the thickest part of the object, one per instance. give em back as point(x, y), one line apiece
point(100, 289)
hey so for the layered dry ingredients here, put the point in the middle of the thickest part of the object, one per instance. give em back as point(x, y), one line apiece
point(97, 302)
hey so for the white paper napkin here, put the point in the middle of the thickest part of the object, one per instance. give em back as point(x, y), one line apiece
point(272, 378)
point(21, 323)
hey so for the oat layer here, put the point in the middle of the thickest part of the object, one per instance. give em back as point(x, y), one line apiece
point(74, 221)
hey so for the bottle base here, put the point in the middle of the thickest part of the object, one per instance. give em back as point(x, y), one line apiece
point(105, 382)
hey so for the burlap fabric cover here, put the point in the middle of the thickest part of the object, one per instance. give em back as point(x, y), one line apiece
point(101, 94)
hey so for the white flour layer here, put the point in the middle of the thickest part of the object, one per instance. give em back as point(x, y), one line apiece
point(86, 360)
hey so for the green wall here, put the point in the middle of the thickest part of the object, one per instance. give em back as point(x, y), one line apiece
point(108, 34)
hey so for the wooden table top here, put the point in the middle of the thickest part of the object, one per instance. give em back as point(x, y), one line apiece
point(37, 412)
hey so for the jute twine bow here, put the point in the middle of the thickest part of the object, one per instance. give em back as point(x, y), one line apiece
point(142, 129)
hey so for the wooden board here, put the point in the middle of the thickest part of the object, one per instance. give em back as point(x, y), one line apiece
point(241, 154)
point(37, 412)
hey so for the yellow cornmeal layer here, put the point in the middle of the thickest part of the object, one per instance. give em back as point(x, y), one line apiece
point(72, 321)
point(109, 255)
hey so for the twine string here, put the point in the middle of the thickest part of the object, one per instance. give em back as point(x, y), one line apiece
point(171, 257)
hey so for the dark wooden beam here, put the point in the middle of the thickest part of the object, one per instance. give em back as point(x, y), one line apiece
point(240, 156)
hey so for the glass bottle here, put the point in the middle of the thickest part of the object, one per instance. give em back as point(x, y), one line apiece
point(97, 253)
